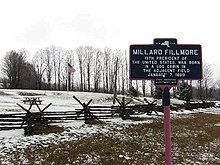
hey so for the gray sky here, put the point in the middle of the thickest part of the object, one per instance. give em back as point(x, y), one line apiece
point(35, 24)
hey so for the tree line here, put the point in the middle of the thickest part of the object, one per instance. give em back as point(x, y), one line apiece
point(97, 70)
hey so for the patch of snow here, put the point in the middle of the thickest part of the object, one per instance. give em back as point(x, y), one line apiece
point(63, 101)
point(11, 133)
point(218, 125)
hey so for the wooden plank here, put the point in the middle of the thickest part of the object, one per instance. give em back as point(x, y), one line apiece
point(61, 112)
point(100, 106)
point(11, 123)
point(11, 120)
point(12, 115)
point(10, 128)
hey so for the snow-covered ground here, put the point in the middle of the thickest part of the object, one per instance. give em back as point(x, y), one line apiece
point(14, 139)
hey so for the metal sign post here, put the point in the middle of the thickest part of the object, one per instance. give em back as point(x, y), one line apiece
point(167, 125)
point(166, 62)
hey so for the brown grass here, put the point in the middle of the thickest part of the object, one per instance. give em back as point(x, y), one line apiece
point(2, 93)
point(43, 130)
point(28, 94)
point(192, 138)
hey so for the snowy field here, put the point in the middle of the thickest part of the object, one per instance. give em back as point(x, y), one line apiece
point(14, 140)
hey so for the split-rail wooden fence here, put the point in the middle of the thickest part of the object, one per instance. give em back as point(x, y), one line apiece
point(87, 112)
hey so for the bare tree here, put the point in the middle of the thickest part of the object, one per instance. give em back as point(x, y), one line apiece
point(49, 66)
point(200, 90)
point(122, 67)
point(54, 58)
point(85, 56)
point(107, 54)
point(137, 85)
point(40, 67)
point(126, 74)
point(218, 87)
point(144, 88)
point(112, 70)
point(207, 78)
point(123, 76)
point(115, 81)
point(97, 69)
point(152, 89)
point(58, 54)
point(89, 53)
point(81, 58)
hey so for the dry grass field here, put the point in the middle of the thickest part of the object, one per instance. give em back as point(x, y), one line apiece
point(195, 140)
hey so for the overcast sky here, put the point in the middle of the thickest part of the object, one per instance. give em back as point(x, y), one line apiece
point(35, 24)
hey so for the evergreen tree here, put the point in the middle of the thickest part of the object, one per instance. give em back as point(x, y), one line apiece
point(133, 92)
point(17, 71)
point(158, 93)
point(185, 91)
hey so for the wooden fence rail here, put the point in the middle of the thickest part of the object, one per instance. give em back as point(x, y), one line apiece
point(11, 121)
point(124, 109)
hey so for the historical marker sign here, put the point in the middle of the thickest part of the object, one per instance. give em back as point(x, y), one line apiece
point(165, 61)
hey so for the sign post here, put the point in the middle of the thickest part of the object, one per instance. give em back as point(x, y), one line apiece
point(167, 125)
point(166, 62)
